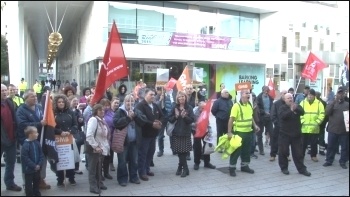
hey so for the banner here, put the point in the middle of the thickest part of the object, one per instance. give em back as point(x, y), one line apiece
point(162, 76)
point(345, 72)
point(203, 120)
point(65, 152)
point(272, 91)
point(197, 74)
point(312, 66)
point(183, 80)
point(114, 65)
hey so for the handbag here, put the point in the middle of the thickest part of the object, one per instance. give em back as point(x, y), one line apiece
point(79, 138)
point(208, 148)
point(118, 140)
point(170, 128)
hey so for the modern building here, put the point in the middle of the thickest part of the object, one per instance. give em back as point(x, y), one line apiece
point(233, 41)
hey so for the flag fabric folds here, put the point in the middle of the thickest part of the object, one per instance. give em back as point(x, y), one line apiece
point(345, 72)
point(312, 66)
point(171, 83)
point(272, 91)
point(114, 65)
point(183, 80)
point(49, 142)
point(203, 120)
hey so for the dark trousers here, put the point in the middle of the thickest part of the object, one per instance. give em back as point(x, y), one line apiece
point(333, 140)
point(221, 128)
point(274, 141)
point(197, 151)
point(161, 135)
point(69, 174)
point(32, 181)
point(310, 139)
point(265, 125)
point(253, 142)
point(296, 144)
point(145, 154)
point(182, 160)
point(105, 164)
point(77, 163)
point(321, 141)
point(243, 151)
point(111, 156)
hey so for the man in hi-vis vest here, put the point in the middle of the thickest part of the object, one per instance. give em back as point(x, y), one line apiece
point(310, 121)
point(241, 119)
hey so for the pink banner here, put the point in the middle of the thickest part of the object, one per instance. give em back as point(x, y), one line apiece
point(199, 41)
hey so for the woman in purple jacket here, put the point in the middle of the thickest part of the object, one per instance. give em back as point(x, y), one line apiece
point(109, 114)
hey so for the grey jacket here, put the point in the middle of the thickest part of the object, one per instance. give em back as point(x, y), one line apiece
point(336, 117)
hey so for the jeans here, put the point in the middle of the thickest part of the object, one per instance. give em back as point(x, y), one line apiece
point(145, 154)
point(10, 163)
point(32, 182)
point(333, 144)
point(267, 124)
point(127, 163)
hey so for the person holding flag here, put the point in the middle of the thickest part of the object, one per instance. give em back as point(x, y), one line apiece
point(31, 114)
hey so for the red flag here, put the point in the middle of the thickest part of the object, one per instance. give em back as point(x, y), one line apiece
point(203, 120)
point(272, 91)
point(312, 66)
point(171, 83)
point(114, 65)
point(183, 80)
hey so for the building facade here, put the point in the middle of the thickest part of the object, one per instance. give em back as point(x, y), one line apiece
point(232, 41)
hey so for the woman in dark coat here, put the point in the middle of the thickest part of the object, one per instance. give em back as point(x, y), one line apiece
point(122, 93)
point(181, 142)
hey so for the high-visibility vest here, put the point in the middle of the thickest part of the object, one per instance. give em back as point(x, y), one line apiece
point(243, 115)
point(17, 100)
point(313, 116)
point(37, 88)
point(22, 86)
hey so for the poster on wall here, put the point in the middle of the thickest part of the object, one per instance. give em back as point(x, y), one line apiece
point(230, 74)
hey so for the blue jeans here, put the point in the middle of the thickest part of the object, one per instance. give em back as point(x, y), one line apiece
point(11, 152)
point(145, 153)
point(333, 144)
point(128, 156)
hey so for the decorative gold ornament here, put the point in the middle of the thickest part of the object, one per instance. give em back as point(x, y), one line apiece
point(55, 38)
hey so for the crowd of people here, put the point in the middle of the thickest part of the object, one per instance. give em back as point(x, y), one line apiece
point(292, 125)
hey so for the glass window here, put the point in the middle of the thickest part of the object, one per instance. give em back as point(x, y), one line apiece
point(149, 18)
point(228, 23)
point(124, 15)
point(309, 43)
point(284, 44)
point(249, 25)
point(297, 39)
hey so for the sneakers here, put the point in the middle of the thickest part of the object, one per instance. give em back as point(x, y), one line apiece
point(254, 156)
point(72, 182)
point(285, 171)
point(327, 164)
point(14, 187)
point(272, 158)
point(343, 165)
point(305, 173)
point(247, 169)
point(314, 159)
point(160, 153)
point(209, 165)
point(196, 166)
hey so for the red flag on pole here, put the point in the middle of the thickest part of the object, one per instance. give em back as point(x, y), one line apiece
point(114, 65)
point(272, 91)
point(312, 66)
point(171, 83)
point(203, 120)
point(183, 80)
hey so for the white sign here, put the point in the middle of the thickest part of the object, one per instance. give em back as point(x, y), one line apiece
point(154, 37)
point(162, 75)
point(151, 68)
point(65, 152)
point(197, 74)
point(346, 120)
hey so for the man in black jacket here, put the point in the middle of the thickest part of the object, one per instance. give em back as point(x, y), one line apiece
point(265, 102)
point(8, 139)
point(149, 132)
point(274, 117)
point(290, 134)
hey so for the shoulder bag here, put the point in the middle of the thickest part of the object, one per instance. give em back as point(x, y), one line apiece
point(118, 140)
point(170, 128)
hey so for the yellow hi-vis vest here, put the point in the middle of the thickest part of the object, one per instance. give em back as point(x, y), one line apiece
point(243, 115)
point(228, 146)
point(17, 100)
point(313, 117)
point(22, 86)
point(37, 88)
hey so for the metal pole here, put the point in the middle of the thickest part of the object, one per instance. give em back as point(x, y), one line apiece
point(296, 89)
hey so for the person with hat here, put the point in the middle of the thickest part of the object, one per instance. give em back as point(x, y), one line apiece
point(311, 121)
point(336, 130)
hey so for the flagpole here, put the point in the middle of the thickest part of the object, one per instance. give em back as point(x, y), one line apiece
point(129, 88)
point(296, 90)
point(43, 127)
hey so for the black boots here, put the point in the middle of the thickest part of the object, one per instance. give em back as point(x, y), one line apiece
point(183, 168)
point(179, 170)
point(185, 171)
point(232, 171)
point(247, 169)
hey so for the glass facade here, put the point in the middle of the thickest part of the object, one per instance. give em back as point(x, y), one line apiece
point(153, 17)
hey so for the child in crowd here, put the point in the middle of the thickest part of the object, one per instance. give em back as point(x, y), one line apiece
point(32, 158)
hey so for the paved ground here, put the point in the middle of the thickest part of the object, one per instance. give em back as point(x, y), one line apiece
point(267, 180)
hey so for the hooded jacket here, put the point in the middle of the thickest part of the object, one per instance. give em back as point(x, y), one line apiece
point(122, 95)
